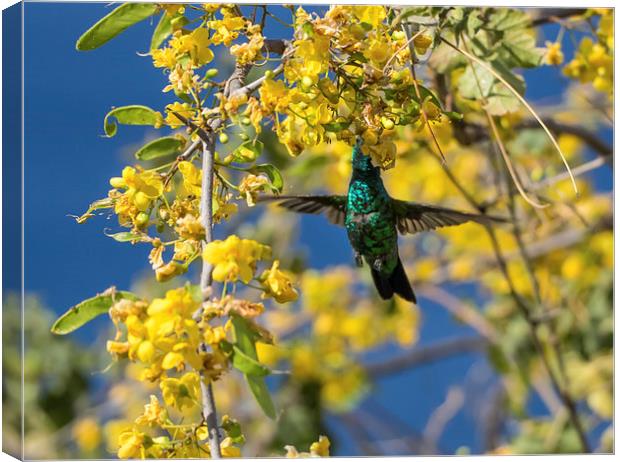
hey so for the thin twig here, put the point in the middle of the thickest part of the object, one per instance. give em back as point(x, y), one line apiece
point(521, 99)
point(418, 94)
point(425, 354)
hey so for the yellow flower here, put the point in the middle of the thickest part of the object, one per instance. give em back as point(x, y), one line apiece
point(164, 57)
point(250, 186)
point(117, 348)
point(320, 448)
point(87, 434)
point(278, 285)
point(143, 186)
point(181, 393)
point(189, 227)
point(131, 444)
point(249, 51)
point(192, 178)
point(154, 413)
point(196, 44)
point(554, 55)
point(183, 109)
point(228, 449)
point(226, 29)
point(235, 258)
point(372, 15)
point(273, 95)
point(168, 271)
point(422, 42)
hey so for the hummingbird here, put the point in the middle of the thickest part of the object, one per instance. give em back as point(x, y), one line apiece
point(373, 220)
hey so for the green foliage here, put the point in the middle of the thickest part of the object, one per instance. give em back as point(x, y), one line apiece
point(246, 336)
point(114, 23)
point(89, 309)
point(161, 147)
point(273, 173)
point(56, 372)
point(130, 115)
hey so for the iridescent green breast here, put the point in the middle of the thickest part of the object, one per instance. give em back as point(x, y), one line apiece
point(370, 223)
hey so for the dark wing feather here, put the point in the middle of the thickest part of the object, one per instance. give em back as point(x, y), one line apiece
point(334, 207)
point(412, 217)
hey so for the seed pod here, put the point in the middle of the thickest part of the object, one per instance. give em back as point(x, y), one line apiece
point(223, 138)
point(211, 73)
point(142, 219)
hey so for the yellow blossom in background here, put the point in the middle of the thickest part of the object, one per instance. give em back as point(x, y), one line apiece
point(554, 55)
point(87, 434)
point(131, 444)
point(422, 42)
point(319, 448)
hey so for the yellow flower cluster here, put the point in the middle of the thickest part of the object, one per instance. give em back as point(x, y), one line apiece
point(235, 259)
point(594, 62)
point(371, 79)
point(141, 189)
point(319, 448)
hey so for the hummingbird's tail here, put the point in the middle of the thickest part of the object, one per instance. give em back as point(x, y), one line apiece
point(397, 283)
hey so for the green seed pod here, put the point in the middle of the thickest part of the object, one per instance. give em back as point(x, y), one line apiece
point(387, 123)
point(246, 121)
point(244, 137)
point(269, 74)
point(211, 73)
point(142, 220)
point(223, 138)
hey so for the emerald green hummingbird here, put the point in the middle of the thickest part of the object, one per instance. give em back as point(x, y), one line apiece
point(373, 219)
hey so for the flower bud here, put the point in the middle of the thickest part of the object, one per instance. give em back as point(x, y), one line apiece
point(168, 271)
point(223, 138)
point(211, 73)
point(118, 182)
point(306, 83)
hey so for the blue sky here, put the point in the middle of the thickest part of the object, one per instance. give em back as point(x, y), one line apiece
point(68, 164)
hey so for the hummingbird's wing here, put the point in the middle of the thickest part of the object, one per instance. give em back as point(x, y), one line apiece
point(412, 217)
point(334, 207)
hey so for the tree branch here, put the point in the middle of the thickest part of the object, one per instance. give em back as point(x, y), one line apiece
point(426, 354)
point(555, 15)
point(209, 412)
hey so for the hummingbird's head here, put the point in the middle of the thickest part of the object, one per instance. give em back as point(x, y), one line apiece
point(361, 162)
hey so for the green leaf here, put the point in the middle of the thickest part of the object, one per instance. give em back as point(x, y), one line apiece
point(162, 31)
point(166, 146)
point(89, 309)
point(130, 115)
point(277, 182)
point(248, 365)
point(114, 23)
point(126, 236)
point(245, 338)
point(261, 394)
point(248, 151)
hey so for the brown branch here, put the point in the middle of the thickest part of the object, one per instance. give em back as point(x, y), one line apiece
point(555, 15)
point(426, 354)
point(469, 133)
